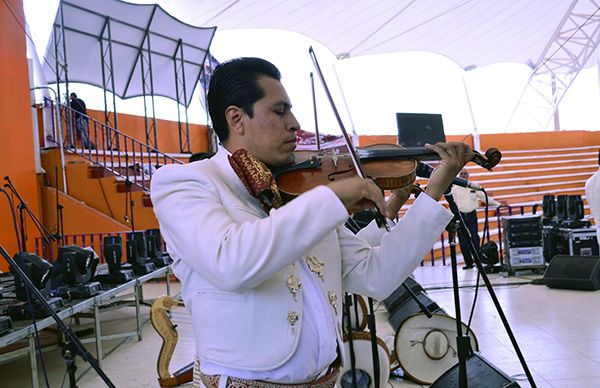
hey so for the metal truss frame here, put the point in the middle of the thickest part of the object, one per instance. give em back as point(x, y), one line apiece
point(180, 91)
point(566, 54)
point(106, 61)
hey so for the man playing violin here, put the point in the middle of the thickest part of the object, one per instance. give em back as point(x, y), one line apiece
point(265, 287)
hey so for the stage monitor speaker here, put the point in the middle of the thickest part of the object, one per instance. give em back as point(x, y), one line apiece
point(480, 373)
point(400, 295)
point(410, 307)
point(573, 272)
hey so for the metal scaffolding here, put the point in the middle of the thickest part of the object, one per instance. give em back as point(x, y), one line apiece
point(567, 52)
point(180, 92)
point(151, 35)
point(106, 60)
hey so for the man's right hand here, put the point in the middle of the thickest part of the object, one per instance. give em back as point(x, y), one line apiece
point(358, 194)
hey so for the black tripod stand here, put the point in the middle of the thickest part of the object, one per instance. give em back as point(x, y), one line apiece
point(463, 342)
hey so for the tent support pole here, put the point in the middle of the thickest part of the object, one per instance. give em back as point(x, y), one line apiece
point(475, 133)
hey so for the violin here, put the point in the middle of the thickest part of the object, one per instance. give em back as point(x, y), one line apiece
point(396, 168)
point(390, 166)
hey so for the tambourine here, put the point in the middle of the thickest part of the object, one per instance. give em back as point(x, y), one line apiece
point(361, 342)
point(425, 348)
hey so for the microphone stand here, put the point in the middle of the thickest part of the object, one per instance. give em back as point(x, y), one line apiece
point(72, 346)
point(46, 235)
point(59, 212)
point(463, 342)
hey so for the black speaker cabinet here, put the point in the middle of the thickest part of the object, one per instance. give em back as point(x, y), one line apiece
point(480, 373)
point(549, 206)
point(574, 272)
point(561, 207)
point(574, 207)
point(400, 295)
point(416, 129)
point(410, 307)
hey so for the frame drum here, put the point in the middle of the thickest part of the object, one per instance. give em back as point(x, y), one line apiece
point(426, 347)
point(358, 313)
point(361, 341)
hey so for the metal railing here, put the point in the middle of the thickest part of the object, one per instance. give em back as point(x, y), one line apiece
point(96, 240)
point(116, 152)
point(443, 250)
point(49, 251)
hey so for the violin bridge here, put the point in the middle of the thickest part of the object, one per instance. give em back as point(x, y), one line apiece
point(334, 158)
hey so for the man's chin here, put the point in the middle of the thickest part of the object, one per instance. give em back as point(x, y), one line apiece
point(281, 160)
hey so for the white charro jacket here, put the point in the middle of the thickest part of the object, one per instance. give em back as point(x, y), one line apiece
point(238, 266)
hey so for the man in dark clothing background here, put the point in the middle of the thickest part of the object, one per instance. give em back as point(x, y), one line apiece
point(81, 121)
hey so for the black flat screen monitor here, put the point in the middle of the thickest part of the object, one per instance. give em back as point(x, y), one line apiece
point(416, 129)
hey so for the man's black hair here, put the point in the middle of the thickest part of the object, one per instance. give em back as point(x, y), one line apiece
point(235, 82)
point(200, 156)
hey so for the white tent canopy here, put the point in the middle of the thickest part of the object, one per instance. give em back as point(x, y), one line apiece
point(472, 33)
point(171, 43)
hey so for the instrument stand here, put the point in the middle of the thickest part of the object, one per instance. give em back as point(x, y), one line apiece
point(463, 342)
point(129, 203)
point(59, 211)
point(422, 307)
point(23, 208)
point(73, 346)
point(374, 349)
point(360, 378)
point(347, 304)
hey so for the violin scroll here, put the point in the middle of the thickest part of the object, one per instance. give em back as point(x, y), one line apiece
point(490, 160)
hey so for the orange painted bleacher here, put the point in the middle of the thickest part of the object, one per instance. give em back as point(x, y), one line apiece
point(559, 163)
point(521, 179)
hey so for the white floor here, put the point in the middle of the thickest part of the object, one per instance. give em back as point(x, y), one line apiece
point(558, 332)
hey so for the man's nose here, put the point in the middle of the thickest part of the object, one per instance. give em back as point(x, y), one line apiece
point(293, 125)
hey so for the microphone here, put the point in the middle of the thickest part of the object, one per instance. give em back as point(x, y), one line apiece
point(424, 171)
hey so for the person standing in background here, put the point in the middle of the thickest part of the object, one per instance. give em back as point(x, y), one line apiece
point(592, 194)
point(81, 121)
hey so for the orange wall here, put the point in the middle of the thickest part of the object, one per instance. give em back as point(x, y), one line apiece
point(74, 213)
point(366, 140)
point(510, 141)
point(167, 132)
point(540, 140)
point(16, 148)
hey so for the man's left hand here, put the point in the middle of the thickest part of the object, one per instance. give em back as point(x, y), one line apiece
point(453, 158)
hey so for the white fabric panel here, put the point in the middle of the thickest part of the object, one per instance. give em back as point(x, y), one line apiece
point(84, 22)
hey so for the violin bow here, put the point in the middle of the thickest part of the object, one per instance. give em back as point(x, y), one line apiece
point(379, 218)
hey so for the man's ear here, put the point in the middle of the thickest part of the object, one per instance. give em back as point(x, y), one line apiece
point(233, 116)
